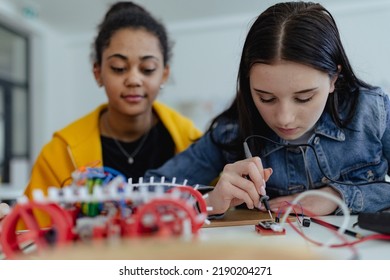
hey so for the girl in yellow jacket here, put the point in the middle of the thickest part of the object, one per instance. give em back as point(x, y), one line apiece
point(132, 132)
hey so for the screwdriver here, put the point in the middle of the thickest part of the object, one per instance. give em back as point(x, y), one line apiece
point(264, 198)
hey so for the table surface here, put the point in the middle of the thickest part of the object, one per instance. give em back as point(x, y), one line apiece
point(233, 237)
point(370, 249)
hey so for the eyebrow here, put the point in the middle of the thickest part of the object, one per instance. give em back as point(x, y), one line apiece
point(297, 92)
point(123, 57)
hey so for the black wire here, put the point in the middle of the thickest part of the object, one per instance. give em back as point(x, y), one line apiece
point(64, 181)
point(317, 160)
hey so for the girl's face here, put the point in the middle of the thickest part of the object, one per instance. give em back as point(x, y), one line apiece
point(132, 71)
point(289, 96)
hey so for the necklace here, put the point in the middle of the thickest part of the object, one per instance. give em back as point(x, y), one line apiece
point(130, 157)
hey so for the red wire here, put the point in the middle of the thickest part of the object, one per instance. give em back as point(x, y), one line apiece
point(365, 238)
point(293, 209)
point(345, 242)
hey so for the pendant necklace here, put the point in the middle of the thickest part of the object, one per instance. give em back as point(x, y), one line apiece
point(130, 157)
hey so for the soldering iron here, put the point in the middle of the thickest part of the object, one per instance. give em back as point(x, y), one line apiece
point(264, 198)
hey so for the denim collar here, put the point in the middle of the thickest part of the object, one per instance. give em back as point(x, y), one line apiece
point(327, 127)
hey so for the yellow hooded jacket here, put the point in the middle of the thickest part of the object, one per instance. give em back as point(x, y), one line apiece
point(79, 145)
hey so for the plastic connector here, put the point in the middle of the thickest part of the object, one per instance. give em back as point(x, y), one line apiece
point(306, 221)
point(276, 227)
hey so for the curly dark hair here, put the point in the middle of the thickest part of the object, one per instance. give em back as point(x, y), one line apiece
point(129, 15)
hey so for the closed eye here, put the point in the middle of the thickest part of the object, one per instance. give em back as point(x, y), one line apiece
point(303, 100)
point(267, 100)
point(149, 71)
point(118, 70)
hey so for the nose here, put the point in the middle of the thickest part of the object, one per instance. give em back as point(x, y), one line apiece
point(284, 114)
point(133, 78)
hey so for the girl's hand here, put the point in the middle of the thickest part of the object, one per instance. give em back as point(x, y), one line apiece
point(242, 181)
point(314, 204)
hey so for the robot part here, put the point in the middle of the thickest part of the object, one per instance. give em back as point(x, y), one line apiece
point(100, 205)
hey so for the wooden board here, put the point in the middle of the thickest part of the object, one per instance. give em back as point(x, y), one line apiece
point(241, 217)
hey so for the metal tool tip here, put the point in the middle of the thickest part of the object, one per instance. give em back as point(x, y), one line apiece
point(270, 214)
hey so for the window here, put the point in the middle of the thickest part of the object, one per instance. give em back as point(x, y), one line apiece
point(14, 99)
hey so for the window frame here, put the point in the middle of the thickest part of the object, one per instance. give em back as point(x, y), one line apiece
point(8, 86)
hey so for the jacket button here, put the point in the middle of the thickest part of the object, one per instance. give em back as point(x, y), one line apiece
point(325, 180)
point(370, 176)
point(316, 140)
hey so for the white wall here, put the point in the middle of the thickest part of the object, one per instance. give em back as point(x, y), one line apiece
point(204, 66)
point(365, 33)
point(207, 54)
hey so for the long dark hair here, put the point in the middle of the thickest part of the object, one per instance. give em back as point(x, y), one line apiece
point(301, 32)
point(129, 15)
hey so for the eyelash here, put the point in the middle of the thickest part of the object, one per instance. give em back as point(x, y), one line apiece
point(267, 100)
point(120, 70)
point(304, 100)
point(149, 71)
point(297, 100)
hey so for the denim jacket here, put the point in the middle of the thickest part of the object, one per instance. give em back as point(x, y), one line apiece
point(351, 156)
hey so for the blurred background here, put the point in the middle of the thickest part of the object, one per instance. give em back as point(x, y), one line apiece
point(46, 78)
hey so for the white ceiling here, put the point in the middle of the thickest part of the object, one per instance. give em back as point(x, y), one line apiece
point(77, 16)
point(84, 15)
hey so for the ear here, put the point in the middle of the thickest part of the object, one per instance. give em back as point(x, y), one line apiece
point(97, 74)
point(166, 72)
point(334, 79)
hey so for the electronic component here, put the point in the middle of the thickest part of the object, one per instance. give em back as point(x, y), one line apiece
point(269, 227)
point(98, 205)
point(266, 224)
point(306, 221)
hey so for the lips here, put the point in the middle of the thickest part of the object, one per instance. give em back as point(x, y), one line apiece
point(287, 131)
point(133, 98)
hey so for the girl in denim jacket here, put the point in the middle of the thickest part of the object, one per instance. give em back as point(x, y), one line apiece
point(308, 121)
